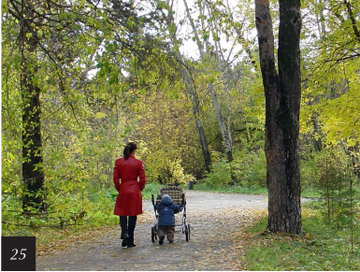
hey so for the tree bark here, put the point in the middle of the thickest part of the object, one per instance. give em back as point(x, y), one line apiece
point(282, 94)
point(32, 170)
point(196, 111)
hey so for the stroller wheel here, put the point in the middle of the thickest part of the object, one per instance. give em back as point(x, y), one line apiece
point(188, 227)
point(153, 234)
point(187, 233)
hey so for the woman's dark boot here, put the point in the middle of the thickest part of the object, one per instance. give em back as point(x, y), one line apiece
point(131, 230)
point(130, 240)
point(125, 241)
point(124, 232)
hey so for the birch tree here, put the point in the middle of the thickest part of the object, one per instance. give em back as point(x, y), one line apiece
point(186, 75)
point(203, 55)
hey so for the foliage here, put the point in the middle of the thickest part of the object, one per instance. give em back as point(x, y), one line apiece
point(252, 190)
point(337, 184)
point(70, 216)
point(308, 170)
point(93, 209)
point(85, 107)
point(219, 176)
point(330, 55)
point(324, 247)
point(248, 169)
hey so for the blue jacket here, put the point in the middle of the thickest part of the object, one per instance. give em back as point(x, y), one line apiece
point(166, 210)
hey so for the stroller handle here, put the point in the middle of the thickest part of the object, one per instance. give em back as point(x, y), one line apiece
point(153, 202)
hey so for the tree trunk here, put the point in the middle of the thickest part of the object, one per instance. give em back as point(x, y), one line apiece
point(226, 139)
point(198, 121)
point(189, 85)
point(224, 133)
point(32, 170)
point(282, 94)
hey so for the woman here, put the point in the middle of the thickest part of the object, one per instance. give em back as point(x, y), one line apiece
point(128, 202)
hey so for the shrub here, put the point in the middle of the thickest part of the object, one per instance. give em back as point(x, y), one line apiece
point(220, 174)
point(249, 169)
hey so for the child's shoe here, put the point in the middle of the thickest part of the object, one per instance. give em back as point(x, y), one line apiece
point(170, 242)
point(161, 240)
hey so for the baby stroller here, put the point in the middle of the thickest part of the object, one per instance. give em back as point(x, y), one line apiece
point(177, 194)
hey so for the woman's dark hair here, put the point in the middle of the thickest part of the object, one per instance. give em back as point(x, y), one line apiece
point(129, 148)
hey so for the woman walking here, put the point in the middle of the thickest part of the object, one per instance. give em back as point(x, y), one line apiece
point(128, 202)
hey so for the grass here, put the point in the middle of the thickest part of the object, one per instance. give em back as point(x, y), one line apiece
point(324, 246)
point(150, 189)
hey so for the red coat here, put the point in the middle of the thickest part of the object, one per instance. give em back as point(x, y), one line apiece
point(128, 201)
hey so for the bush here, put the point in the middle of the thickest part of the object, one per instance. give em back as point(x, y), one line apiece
point(335, 181)
point(163, 167)
point(219, 175)
point(249, 169)
point(246, 170)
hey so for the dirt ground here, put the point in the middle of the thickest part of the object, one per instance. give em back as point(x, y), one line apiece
point(215, 220)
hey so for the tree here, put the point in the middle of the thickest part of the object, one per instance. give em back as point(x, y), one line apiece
point(33, 175)
point(55, 45)
point(43, 34)
point(204, 54)
point(330, 112)
point(282, 94)
point(187, 78)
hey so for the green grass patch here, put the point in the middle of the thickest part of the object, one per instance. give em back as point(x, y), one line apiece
point(325, 246)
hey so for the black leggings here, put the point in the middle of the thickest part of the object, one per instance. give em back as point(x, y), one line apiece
point(128, 226)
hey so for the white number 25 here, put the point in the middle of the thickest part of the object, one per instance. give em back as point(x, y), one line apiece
point(21, 254)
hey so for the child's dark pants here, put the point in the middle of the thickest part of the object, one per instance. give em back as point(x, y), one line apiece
point(166, 230)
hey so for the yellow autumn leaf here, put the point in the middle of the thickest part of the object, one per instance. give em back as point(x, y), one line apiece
point(100, 115)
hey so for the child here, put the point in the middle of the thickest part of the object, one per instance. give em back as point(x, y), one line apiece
point(166, 221)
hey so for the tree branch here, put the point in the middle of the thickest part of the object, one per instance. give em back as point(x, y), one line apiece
point(352, 19)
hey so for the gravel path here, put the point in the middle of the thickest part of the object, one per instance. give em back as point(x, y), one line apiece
point(215, 221)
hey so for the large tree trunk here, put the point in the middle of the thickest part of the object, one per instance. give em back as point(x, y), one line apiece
point(282, 94)
point(33, 175)
point(32, 169)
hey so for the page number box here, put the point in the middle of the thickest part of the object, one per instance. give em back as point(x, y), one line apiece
point(18, 253)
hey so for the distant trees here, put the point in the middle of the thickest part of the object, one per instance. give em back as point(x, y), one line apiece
point(187, 78)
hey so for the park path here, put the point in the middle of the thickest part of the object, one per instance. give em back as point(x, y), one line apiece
point(216, 221)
